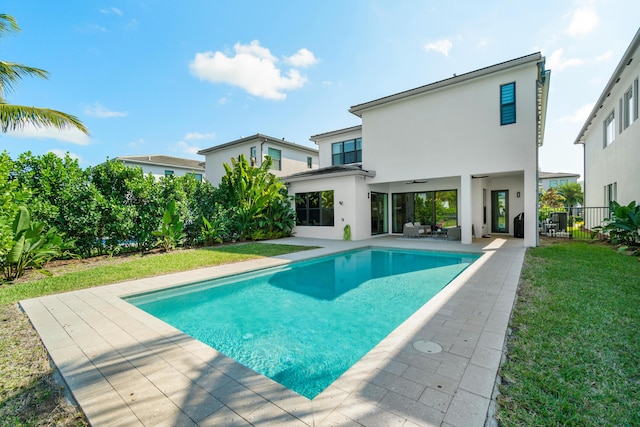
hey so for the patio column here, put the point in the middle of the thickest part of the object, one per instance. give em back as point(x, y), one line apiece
point(465, 210)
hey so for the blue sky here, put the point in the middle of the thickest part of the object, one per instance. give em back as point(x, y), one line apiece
point(173, 77)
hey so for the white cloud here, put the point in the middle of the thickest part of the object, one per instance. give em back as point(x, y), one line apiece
point(253, 69)
point(71, 135)
point(223, 100)
point(483, 42)
point(558, 62)
point(100, 111)
point(605, 56)
point(579, 116)
point(583, 21)
point(441, 46)
point(198, 135)
point(111, 10)
point(302, 58)
point(186, 148)
point(62, 153)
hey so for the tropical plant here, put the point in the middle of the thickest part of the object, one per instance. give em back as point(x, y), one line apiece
point(572, 193)
point(15, 117)
point(260, 199)
point(32, 247)
point(623, 226)
point(347, 232)
point(171, 233)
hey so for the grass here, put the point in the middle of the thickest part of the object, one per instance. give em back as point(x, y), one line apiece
point(573, 354)
point(29, 394)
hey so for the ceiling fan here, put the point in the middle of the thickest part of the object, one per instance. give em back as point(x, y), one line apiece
point(417, 181)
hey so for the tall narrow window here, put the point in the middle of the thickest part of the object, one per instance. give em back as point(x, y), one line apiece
point(609, 129)
point(309, 162)
point(628, 107)
point(508, 104)
point(253, 156)
point(610, 191)
point(276, 159)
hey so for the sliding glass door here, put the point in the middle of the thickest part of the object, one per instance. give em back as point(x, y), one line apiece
point(436, 208)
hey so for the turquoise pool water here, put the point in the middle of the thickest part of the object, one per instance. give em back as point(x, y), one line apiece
point(306, 323)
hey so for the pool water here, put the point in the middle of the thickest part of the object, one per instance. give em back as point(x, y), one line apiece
point(304, 324)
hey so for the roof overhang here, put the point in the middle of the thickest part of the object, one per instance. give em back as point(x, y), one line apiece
point(262, 139)
point(626, 60)
point(329, 172)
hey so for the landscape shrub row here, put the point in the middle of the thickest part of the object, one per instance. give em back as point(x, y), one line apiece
point(112, 208)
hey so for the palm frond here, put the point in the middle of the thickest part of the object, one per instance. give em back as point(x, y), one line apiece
point(8, 24)
point(15, 117)
point(11, 73)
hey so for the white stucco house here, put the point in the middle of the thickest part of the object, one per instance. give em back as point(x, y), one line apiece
point(461, 152)
point(287, 157)
point(547, 180)
point(159, 165)
point(611, 136)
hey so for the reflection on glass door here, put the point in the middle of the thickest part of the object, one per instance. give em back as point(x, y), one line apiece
point(379, 213)
point(500, 211)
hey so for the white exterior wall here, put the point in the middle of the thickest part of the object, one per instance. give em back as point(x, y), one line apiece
point(619, 162)
point(292, 160)
point(455, 132)
point(355, 209)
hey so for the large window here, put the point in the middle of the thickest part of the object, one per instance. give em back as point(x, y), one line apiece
point(508, 104)
point(315, 208)
point(436, 208)
point(346, 152)
point(276, 159)
point(609, 129)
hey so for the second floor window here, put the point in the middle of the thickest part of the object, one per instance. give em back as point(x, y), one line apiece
point(508, 104)
point(168, 173)
point(309, 162)
point(346, 152)
point(276, 159)
point(609, 129)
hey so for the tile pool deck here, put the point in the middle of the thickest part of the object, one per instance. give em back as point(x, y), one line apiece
point(126, 368)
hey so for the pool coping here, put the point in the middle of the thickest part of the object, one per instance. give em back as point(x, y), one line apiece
point(125, 367)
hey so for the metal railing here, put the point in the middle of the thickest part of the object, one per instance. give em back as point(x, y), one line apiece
point(574, 223)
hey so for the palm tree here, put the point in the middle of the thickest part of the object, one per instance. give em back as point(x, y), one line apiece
point(572, 192)
point(15, 117)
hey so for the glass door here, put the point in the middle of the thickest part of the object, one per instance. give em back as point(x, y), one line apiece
point(379, 213)
point(500, 211)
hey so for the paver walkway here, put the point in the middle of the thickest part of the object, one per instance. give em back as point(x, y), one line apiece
point(126, 368)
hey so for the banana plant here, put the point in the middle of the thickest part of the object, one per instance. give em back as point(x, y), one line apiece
point(623, 227)
point(171, 233)
point(31, 246)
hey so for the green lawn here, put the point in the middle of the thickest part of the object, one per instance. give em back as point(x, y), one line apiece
point(573, 355)
point(29, 395)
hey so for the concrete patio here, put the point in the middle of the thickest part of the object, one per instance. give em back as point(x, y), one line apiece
point(127, 368)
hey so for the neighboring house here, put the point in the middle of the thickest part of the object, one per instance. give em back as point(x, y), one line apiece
point(547, 180)
point(161, 166)
point(460, 152)
point(611, 136)
point(287, 157)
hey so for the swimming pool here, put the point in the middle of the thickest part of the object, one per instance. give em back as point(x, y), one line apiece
point(304, 324)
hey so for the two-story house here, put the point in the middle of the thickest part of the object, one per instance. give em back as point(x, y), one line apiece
point(286, 157)
point(460, 152)
point(611, 136)
point(159, 165)
point(547, 180)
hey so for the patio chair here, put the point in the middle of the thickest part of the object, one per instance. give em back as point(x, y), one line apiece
point(424, 229)
point(454, 233)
